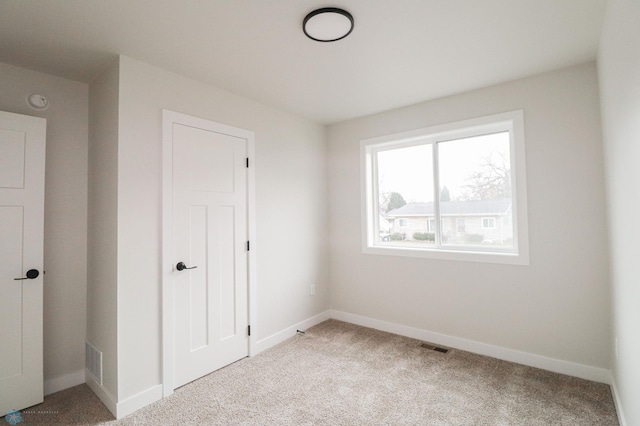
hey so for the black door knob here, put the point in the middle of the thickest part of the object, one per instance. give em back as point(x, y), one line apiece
point(181, 266)
point(31, 274)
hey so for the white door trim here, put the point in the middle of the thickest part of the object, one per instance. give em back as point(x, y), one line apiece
point(168, 119)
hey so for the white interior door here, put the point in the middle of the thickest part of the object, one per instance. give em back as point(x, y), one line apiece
point(210, 239)
point(22, 156)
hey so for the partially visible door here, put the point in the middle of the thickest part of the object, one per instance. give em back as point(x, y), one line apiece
point(22, 161)
point(210, 239)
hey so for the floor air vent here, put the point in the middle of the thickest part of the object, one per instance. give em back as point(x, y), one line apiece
point(93, 362)
point(433, 347)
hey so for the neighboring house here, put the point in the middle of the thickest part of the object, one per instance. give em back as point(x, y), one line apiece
point(469, 221)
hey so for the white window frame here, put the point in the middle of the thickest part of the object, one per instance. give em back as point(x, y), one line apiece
point(513, 122)
point(402, 220)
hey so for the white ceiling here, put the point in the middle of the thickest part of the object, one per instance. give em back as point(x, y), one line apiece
point(401, 51)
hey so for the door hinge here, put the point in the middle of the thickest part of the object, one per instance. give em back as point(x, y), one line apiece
point(249, 330)
point(247, 162)
point(248, 246)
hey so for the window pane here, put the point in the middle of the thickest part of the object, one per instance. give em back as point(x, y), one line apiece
point(475, 191)
point(405, 196)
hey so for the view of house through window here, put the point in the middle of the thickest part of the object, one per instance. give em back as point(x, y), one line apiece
point(461, 179)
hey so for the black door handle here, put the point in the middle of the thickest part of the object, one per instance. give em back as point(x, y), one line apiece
point(31, 274)
point(181, 266)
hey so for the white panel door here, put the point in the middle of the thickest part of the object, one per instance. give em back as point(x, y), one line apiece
point(22, 155)
point(210, 239)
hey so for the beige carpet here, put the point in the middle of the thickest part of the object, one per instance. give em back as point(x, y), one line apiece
point(342, 374)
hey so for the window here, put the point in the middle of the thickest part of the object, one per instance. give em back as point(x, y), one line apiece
point(488, 222)
point(467, 176)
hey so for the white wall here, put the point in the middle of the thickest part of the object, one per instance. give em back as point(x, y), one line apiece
point(619, 71)
point(65, 228)
point(102, 223)
point(292, 228)
point(558, 306)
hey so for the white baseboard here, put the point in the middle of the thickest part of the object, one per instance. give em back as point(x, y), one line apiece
point(63, 382)
point(617, 401)
point(288, 332)
point(587, 372)
point(127, 406)
point(103, 394)
point(139, 400)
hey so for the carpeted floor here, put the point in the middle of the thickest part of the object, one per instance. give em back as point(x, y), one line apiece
point(342, 374)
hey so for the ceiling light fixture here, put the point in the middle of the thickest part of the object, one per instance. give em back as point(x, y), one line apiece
point(328, 24)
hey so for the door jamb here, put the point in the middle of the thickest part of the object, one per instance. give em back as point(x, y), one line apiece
point(168, 119)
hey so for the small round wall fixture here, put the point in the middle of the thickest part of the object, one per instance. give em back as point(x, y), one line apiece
point(328, 24)
point(38, 101)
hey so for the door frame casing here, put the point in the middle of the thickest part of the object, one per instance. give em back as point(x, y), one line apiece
point(168, 119)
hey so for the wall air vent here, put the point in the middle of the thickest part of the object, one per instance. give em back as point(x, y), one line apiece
point(93, 362)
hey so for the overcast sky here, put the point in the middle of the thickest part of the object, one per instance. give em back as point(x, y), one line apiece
point(409, 170)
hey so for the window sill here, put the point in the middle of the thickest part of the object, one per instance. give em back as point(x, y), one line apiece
point(454, 255)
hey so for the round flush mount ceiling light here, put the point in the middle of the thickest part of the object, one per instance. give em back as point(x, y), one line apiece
point(328, 24)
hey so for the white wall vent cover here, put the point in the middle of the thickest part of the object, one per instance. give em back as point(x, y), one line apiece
point(93, 362)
